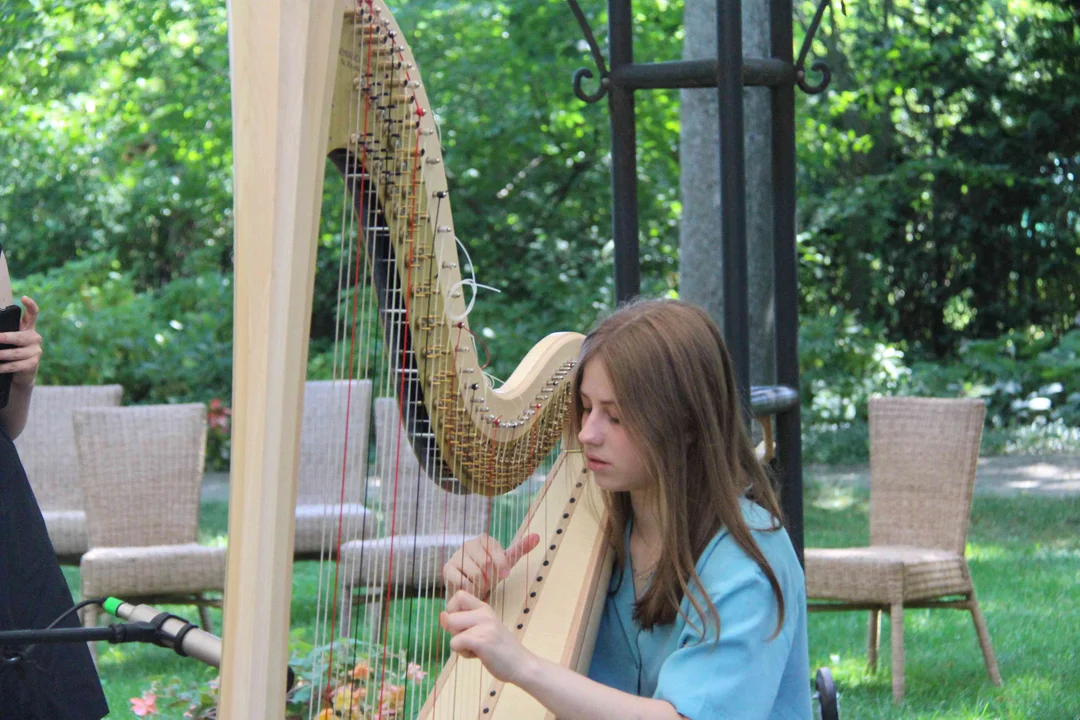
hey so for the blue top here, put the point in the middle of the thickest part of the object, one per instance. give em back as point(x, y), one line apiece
point(746, 675)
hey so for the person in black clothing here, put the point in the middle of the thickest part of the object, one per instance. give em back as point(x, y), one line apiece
point(52, 681)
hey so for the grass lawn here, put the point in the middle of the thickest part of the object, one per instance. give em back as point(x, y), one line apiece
point(1025, 559)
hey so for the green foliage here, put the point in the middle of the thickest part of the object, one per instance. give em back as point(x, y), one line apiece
point(1023, 377)
point(1030, 382)
point(938, 173)
point(173, 344)
point(116, 135)
point(937, 181)
point(843, 364)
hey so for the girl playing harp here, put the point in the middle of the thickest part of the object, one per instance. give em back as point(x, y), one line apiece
point(706, 612)
point(677, 443)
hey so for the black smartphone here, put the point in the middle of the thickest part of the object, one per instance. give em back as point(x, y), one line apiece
point(9, 322)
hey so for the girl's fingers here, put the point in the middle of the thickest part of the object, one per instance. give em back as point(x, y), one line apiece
point(462, 644)
point(20, 338)
point(18, 352)
point(463, 601)
point(489, 551)
point(457, 580)
point(17, 367)
point(30, 313)
point(460, 621)
point(520, 548)
point(495, 560)
point(479, 559)
point(474, 572)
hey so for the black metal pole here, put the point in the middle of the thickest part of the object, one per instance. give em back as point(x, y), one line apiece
point(700, 73)
point(733, 191)
point(786, 279)
point(624, 203)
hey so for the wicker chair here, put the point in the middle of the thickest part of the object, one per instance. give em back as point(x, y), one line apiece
point(141, 471)
point(423, 525)
point(47, 449)
point(923, 454)
point(323, 449)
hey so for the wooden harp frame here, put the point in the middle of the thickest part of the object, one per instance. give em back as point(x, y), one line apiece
point(291, 76)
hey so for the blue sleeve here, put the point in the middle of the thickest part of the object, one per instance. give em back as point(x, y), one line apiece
point(739, 677)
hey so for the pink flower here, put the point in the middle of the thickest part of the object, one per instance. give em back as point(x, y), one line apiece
point(146, 705)
point(218, 415)
point(414, 672)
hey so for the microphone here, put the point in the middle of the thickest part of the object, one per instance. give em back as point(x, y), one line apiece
point(178, 634)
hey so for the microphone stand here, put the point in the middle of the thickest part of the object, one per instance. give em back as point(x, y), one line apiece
point(146, 625)
point(118, 633)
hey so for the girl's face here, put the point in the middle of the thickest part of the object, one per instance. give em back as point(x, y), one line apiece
point(609, 451)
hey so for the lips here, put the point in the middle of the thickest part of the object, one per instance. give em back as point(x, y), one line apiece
point(595, 463)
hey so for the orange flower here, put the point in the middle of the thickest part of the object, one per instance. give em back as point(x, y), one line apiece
point(392, 697)
point(362, 671)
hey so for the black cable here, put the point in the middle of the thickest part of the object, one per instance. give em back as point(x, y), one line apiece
point(20, 655)
point(75, 608)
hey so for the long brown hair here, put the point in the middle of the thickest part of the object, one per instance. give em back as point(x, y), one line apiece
point(675, 390)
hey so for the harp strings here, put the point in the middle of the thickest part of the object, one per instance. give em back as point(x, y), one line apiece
point(387, 211)
point(354, 325)
point(375, 238)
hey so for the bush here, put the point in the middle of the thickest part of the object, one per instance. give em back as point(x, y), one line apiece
point(172, 344)
point(1026, 378)
point(169, 345)
point(1030, 382)
point(843, 364)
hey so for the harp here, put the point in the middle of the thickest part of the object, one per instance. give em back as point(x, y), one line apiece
point(330, 79)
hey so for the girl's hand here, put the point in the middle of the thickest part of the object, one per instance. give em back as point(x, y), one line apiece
point(481, 562)
point(24, 358)
point(478, 632)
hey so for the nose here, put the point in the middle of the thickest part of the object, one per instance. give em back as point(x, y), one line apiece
point(591, 430)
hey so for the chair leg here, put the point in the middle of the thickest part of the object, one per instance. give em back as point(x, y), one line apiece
point(376, 599)
point(896, 626)
point(204, 618)
point(346, 611)
point(873, 637)
point(984, 641)
point(90, 619)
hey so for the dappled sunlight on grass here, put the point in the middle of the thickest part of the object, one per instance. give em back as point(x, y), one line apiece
point(836, 497)
point(855, 671)
point(1062, 551)
point(985, 552)
point(221, 540)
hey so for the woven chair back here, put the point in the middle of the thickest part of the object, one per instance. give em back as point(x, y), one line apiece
point(141, 469)
point(329, 448)
point(418, 505)
point(47, 443)
point(923, 454)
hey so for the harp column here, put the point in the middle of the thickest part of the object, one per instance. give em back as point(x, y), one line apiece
point(283, 57)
